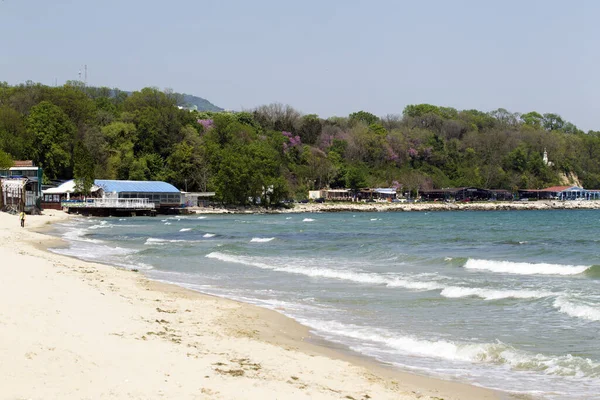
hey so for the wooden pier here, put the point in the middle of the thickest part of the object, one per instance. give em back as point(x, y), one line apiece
point(110, 207)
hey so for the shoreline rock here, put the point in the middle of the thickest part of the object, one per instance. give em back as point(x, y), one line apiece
point(403, 207)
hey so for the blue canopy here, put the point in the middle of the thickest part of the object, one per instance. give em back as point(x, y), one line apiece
point(110, 186)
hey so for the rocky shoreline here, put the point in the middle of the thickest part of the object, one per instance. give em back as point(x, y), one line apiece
point(388, 207)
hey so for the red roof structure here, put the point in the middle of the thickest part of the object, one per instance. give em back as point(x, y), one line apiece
point(23, 163)
point(556, 188)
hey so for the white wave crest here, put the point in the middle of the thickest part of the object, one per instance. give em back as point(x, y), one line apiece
point(489, 294)
point(480, 353)
point(522, 268)
point(79, 235)
point(154, 241)
point(167, 223)
point(185, 229)
point(201, 217)
point(208, 235)
point(308, 220)
point(582, 311)
point(261, 240)
point(318, 272)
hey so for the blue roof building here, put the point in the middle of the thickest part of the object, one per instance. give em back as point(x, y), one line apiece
point(162, 194)
point(110, 186)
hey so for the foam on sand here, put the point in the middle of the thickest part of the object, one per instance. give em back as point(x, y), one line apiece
point(523, 268)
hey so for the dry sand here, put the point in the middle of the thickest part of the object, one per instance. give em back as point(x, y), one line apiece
point(70, 329)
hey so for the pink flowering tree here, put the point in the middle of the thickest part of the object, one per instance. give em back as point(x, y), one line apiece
point(206, 124)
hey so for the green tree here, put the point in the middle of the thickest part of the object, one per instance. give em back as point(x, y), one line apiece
point(533, 119)
point(365, 117)
point(83, 169)
point(310, 128)
point(552, 122)
point(5, 160)
point(356, 177)
point(53, 135)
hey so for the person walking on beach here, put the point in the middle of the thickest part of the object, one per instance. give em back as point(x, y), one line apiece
point(22, 218)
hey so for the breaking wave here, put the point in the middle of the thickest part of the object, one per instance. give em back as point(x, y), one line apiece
point(261, 240)
point(492, 294)
point(319, 272)
point(481, 353)
point(582, 311)
point(155, 241)
point(523, 268)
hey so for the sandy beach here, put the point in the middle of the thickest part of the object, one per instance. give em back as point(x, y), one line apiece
point(71, 329)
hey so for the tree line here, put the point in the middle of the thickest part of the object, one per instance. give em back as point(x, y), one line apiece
point(274, 152)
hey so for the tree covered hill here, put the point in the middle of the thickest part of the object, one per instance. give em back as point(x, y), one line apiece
point(181, 99)
point(274, 152)
point(199, 103)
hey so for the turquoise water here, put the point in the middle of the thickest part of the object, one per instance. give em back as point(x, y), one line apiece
point(507, 300)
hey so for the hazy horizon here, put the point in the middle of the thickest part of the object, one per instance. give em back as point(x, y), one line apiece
point(330, 58)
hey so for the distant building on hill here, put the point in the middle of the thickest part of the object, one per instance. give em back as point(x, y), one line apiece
point(21, 186)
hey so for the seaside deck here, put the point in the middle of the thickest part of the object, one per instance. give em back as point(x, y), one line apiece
point(110, 207)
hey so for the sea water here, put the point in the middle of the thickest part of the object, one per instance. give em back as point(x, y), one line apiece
point(507, 299)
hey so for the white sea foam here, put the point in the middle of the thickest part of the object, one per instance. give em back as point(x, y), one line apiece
point(583, 311)
point(101, 225)
point(154, 241)
point(185, 229)
point(307, 220)
point(319, 272)
point(79, 235)
point(261, 240)
point(491, 294)
point(522, 268)
point(288, 217)
point(373, 219)
point(163, 220)
point(208, 235)
point(95, 252)
point(201, 217)
point(479, 353)
point(167, 223)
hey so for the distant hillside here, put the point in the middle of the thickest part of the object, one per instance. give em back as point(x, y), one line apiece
point(188, 101)
point(202, 104)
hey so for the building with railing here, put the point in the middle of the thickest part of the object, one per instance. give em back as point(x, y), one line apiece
point(21, 186)
point(122, 195)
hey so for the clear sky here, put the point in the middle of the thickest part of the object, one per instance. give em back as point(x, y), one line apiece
point(325, 57)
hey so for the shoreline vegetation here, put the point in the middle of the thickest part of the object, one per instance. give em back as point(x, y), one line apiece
point(400, 207)
point(274, 153)
point(75, 329)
